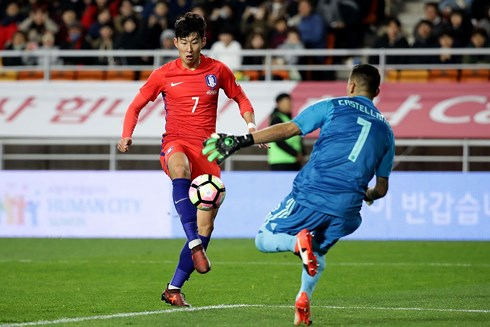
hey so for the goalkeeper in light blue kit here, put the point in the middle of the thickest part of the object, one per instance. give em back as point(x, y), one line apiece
point(355, 143)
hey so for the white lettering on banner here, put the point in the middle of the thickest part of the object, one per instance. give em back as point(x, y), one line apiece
point(441, 207)
point(414, 206)
point(438, 112)
point(93, 205)
point(468, 209)
point(411, 103)
point(483, 117)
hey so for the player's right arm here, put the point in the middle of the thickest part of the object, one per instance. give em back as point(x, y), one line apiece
point(130, 121)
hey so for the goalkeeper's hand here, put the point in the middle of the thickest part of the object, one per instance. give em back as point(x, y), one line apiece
point(220, 146)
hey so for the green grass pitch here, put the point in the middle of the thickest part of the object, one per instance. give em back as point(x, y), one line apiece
point(99, 282)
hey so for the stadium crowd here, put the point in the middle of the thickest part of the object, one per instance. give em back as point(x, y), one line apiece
point(238, 24)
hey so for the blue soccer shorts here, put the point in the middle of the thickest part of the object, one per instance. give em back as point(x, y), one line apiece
point(291, 217)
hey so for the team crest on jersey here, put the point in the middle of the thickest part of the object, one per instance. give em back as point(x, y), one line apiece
point(211, 80)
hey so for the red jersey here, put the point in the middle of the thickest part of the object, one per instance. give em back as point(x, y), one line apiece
point(191, 97)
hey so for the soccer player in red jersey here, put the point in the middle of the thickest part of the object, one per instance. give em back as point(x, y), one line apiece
point(189, 86)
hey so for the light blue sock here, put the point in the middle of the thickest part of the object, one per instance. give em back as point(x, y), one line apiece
point(266, 241)
point(308, 283)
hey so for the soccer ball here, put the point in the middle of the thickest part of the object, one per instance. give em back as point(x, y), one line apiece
point(207, 192)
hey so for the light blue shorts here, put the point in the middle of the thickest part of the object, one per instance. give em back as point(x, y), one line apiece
point(291, 217)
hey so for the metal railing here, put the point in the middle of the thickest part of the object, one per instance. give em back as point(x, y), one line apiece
point(268, 67)
point(112, 158)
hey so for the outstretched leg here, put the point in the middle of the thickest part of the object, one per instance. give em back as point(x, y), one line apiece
point(172, 294)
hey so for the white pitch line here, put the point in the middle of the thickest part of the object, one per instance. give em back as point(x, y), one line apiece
point(225, 306)
point(263, 263)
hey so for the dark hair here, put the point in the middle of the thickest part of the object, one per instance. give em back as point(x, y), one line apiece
point(188, 24)
point(282, 96)
point(367, 77)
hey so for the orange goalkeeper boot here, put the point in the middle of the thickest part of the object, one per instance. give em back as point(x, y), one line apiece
point(304, 249)
point(302, 310)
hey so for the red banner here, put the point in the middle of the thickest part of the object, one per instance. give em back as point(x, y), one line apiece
point(419, 110)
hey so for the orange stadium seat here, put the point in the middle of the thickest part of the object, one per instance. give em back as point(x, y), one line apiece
point(92, 75)
point(56, 75)
point(120, 75)
point(30, 75)
point(414, 76)
point(8, 75)
point(475, 75)
point(443, 75)
point(392, 75)
point(144, 74)
point(251, 75)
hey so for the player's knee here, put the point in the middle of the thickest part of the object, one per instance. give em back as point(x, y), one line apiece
point(180, 171)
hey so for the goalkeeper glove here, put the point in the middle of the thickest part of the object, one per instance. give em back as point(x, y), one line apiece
point(220, 146)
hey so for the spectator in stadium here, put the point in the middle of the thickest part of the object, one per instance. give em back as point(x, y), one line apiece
point(355, 143)
point(253, 19)
point(36, 24)
point(285, 155)
point(156, 23)
point(130, 39)
point(103, 18)
point(479, 40)
point(178, 8)
point(292, 42)
point(76, 41)
point(460, 26)
point(9, 23)
point(279, 32)
point(446, 41)
point(227, 49)
point(210, 37)
point(392, 38)
point(105, 41)
point(190, 85)
point(446, 7)
point(126, 10)
point(223, 17)
point(255, 41)
point(309, 24)
point(18, 43)
point(423, 39)
point(68, 18)
point(167, 43)
point(276, 10)
point(343, 19)
point(484, 22)
point(432, 14)
point(91, 11)
point(48, 42)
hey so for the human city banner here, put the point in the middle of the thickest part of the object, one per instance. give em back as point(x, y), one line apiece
point(96, 109)
point(95, 204)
